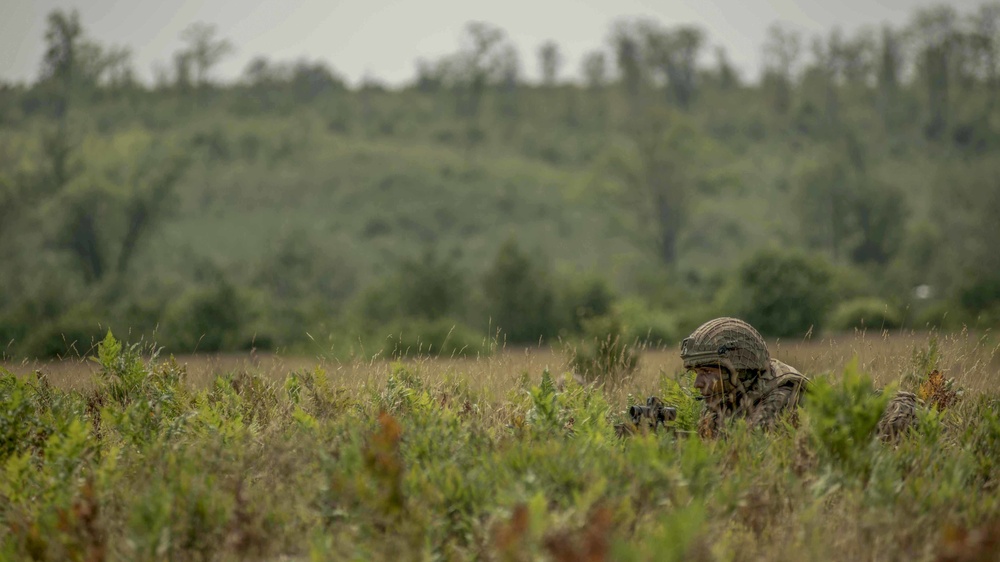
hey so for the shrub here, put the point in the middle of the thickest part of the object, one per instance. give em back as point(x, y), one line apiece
point(842, 419)
point(981, 301)
point(206, 319)
point(647, 325)
point(430, 287)
point(864, 313)
point(73, 334)
point(586, 299)
point(782, 294)
point(520, 298)
point(941, 315)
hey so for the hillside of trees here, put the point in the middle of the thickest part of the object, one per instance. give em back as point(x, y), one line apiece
point(856, 184)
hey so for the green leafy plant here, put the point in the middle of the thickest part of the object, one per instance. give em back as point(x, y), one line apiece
point(842, 418)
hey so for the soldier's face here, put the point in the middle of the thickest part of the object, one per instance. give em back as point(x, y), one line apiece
point(710, 381)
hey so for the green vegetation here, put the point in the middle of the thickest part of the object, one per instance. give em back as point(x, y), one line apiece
point(472, 215)
point(290, 210)
point(142, 465)
point(862, 313)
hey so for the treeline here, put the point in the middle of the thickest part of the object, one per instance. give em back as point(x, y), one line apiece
point(856, 182)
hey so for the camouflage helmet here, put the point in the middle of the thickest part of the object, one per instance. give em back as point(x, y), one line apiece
point(729, 342)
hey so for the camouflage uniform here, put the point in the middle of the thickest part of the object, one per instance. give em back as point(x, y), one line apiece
point(761, 388)
point(900, 414)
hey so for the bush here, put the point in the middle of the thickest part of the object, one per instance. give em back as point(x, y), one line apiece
point(43, 310)
point(430, 287)
point(206, 319)
point(73, 334)
point(586, 299)
point(842, 419)
point(520, 298)
point(427, 288)
point(12, 330)
point(941, 315)
point(981, 301)
point(862, 313)
point(647, 325)
point(782, 294)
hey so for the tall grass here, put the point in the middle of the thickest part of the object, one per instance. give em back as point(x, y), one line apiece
point(132, 457)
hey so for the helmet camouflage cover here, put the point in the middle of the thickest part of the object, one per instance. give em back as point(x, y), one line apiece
point(728, 342)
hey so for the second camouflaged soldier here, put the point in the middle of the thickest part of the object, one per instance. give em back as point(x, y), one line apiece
point(737, 378)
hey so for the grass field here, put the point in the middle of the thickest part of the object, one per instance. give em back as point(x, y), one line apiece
point(502, 457)
point(973, 360)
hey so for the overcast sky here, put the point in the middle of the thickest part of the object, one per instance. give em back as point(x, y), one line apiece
point(383, 38)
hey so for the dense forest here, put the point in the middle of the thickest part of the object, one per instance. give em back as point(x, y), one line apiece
point(856, 184)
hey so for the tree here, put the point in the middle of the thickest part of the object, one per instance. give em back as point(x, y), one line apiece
point(101, 218)
point(430, 287)
point(312, 79)
point(509, 71)
point(431, 76)
point(889, 67)
point(260, 72)
point(782, 294)
point(520, 299)
point(843, 209)
point(485, 59)
point(182, 70)
point(595, 69)
point(626, 43)
point(827, 69)
point(550, 61)
point(655, 174)
point(967, 199)
point(204, 50)
point(59, 64)
point(985, 42)
point(782, 50)
point(673, 55)
point(149, 200)
point(934, 38)
point(118, 68)
point(78, 230)
point(725, 73)
point(858, 54)
point(595, 73)
point(61, 74)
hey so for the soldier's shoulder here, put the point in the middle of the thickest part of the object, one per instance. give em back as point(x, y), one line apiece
point(783, 371)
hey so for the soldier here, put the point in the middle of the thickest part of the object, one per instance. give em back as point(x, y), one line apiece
point(737, 378)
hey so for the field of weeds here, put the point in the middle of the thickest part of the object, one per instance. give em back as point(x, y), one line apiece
point(131, 456)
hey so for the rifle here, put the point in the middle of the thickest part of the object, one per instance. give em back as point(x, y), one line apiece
point(654, 413)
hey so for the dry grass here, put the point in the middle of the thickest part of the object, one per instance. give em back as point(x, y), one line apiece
point(972, 359)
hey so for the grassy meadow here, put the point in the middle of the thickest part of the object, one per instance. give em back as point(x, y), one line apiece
point(123, 455)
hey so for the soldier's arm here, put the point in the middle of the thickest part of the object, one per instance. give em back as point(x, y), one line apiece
point(767, 411)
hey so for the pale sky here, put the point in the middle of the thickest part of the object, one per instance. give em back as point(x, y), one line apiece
point(383, 38)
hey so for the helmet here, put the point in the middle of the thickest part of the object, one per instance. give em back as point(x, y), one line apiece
point(729, 342)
